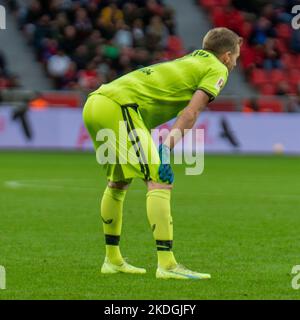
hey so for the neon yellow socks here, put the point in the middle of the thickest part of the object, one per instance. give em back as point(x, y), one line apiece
point(160, 219)
point(159, 216)
point(111, 214)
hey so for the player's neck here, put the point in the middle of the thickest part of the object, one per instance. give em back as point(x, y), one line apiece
point(215, 55)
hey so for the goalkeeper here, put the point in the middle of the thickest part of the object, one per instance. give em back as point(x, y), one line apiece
point(142, 100)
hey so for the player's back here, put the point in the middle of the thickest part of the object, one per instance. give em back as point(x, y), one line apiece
point(162, 90)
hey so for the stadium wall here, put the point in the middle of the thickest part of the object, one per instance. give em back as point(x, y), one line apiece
point(225, 132)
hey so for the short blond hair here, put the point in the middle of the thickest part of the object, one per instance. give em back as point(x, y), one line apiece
point(221, 40)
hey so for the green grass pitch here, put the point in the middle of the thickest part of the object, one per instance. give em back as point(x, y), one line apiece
point(238, 221)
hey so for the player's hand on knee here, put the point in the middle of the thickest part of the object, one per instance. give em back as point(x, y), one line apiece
point(165, 173)
point(165, 170)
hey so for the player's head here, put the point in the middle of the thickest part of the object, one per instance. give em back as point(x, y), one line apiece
point(225, 44)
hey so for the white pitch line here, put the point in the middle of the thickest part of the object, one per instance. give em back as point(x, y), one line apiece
point(46, 184)
point(33, 184)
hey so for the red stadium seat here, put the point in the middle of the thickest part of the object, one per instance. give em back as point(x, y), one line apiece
point(294, 76)
point(61, 99)
point(259, 76)
point(225, 105)
point(219, 17)
point(276, 76)
point(208, 4)
point(281, 45)
point(293, 88)
point(268, 89)
point(288, 60)
point(247, 56)
point(284, 31)
point(246, 29)
point(175, 44)
point(225, 3)
point(175, 48)
point(270, 105)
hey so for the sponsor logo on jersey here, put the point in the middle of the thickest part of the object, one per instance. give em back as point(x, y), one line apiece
point(219, 84)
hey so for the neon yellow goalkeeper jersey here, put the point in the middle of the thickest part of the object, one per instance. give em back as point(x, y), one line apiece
point(164, 89)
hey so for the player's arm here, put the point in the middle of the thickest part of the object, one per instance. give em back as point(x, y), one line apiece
point(187, 118)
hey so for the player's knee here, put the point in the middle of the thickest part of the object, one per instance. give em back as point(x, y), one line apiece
point(117, 190)
point(121, 185)
point(152, 185)
point(115, 193)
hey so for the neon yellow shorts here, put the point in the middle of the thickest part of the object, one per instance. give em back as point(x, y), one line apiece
point(122, 142)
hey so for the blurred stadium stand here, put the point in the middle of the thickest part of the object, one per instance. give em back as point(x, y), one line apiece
point(81, 44)
point(270, 55)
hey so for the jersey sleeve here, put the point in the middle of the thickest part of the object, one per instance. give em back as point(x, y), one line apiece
point(213, 82)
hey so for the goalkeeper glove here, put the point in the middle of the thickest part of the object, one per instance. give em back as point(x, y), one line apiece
point(165, 171)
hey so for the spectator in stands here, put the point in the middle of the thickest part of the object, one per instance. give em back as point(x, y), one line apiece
point(262, 30)
point(138, 33)
point(130, 13)
point(93, 42)
point(283, 88)
point(69, 41)
point(33, 12)
point(107, 30)
point(251, 106)
point(114, 34)
point(272, 55)
point(169, 20)
point(111, 51)
point(60, 22)
point(70, 78)
point(251, 6)
point(58, 65)
point(89, 79)
point(295, 41)
point(81, 56)
point(268, 11)
point(141, 58)
point(157, 32)
point(123, 36)
point(42, 31)
point(111, 14)
point(92, 8)
point(153, 8)
point(49, 49)
point(82, 23)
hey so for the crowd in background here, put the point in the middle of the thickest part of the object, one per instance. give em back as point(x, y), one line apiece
point(85, 43)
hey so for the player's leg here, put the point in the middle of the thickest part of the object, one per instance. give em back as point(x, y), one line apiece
point(160, 218)
point(111, 214)
point(102, 113)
